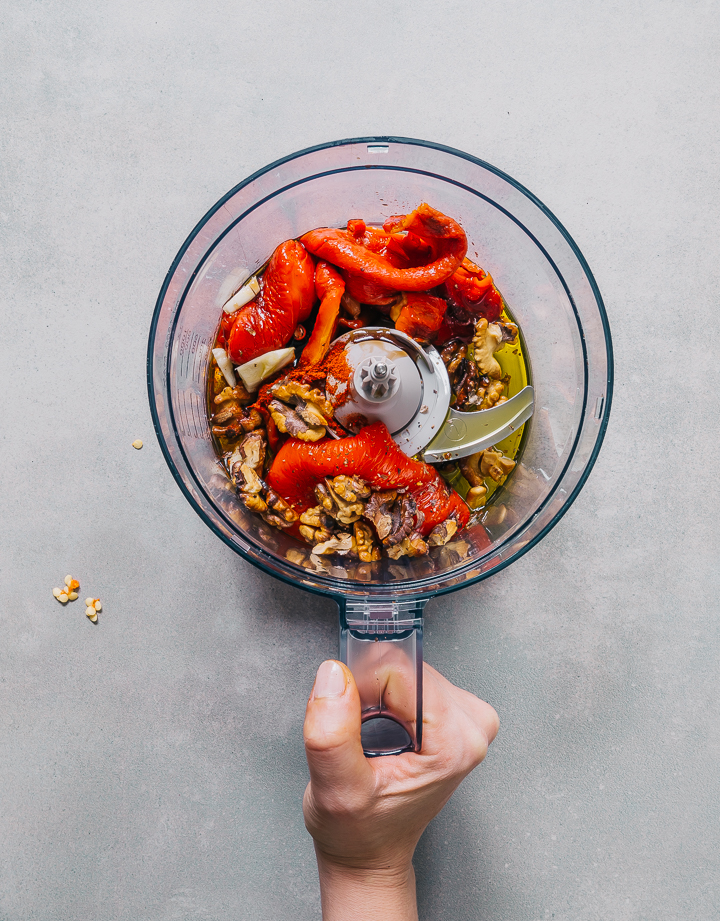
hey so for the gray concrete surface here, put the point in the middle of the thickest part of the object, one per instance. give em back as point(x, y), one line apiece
point(152, 767)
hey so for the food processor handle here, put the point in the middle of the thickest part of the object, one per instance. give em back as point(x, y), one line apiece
point(381, 643)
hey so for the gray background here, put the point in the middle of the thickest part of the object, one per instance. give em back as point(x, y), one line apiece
point(152, 766)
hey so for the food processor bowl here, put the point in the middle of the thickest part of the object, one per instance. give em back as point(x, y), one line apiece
point(550, 293)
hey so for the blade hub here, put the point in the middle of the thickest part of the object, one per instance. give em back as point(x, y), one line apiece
point(376, 378)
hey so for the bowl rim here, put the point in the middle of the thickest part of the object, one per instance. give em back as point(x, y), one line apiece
point(379, 593)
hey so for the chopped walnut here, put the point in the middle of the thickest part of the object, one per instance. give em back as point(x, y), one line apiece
point(367, 549)
point(343, 511)
point(282, 515)
point(476, 496)
point(316, 517)
point(494, 394)
point(396, 551)
point(442, 533)
point(296, 556)
point(453, 553)
point(250, 451)
point(467, 384)
point(218, 381)
point(322, 494)
point(314, 535)
point(238, 392)
point(404, 520)
point(487, 340)
point(449, 350)
point(453, 353)
point(341, 543)
point(470, 469)
point(290, 391)
point(239, 420)
point(350, 488)
point(509, 331)
point(288, 421)
point(498, 515)
point(227, 393)
point(413, 545)
point(248, 481)
point(309, 413)
point(230, 409)
point(378, 511)
point(496, 465)
point(253, 503)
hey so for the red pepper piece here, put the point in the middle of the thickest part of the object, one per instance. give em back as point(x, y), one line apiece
point(378, 242)
point(274, 436)
point(330, 288)
point(402, 251)
point(473, 295)
point(226, 325)
point(450, 328)
point(367, 292)
point(410, 250)
point(442, 233)
point(373, 455)
point(286, 299)
point(421, 316)
point(349, 323)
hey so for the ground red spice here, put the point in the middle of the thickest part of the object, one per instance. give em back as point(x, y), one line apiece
point(310, 376)
point(337, 371)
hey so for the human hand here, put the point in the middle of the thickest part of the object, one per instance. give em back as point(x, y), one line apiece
point(367, 815)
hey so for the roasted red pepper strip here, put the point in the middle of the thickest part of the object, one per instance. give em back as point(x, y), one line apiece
point(377, 241)
point(402, 251)
point(373, 455)
point(286, 299)
point(368, 292)
point(473, 295)
point(421, 316)
point(330, 288)
point(442, 233)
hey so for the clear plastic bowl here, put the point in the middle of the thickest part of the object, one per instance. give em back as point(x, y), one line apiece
point(535, 264)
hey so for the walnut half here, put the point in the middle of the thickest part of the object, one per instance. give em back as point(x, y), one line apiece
point(367, 549)
point(289, 422)
point(442, 533)
point(413, 545)
point(344, 511)
point(279, 512)
point(341, 543)
point(487, 340)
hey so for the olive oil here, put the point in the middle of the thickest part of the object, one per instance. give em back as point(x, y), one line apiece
point(512, 359)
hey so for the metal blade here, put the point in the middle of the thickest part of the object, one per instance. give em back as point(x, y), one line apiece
point(467, 433)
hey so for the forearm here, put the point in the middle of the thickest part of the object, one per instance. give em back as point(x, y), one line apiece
point(352, 894)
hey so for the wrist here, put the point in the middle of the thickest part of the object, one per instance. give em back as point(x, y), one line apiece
point(353, 892)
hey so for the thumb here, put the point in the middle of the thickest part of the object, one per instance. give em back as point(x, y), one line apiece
point(332, 732)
